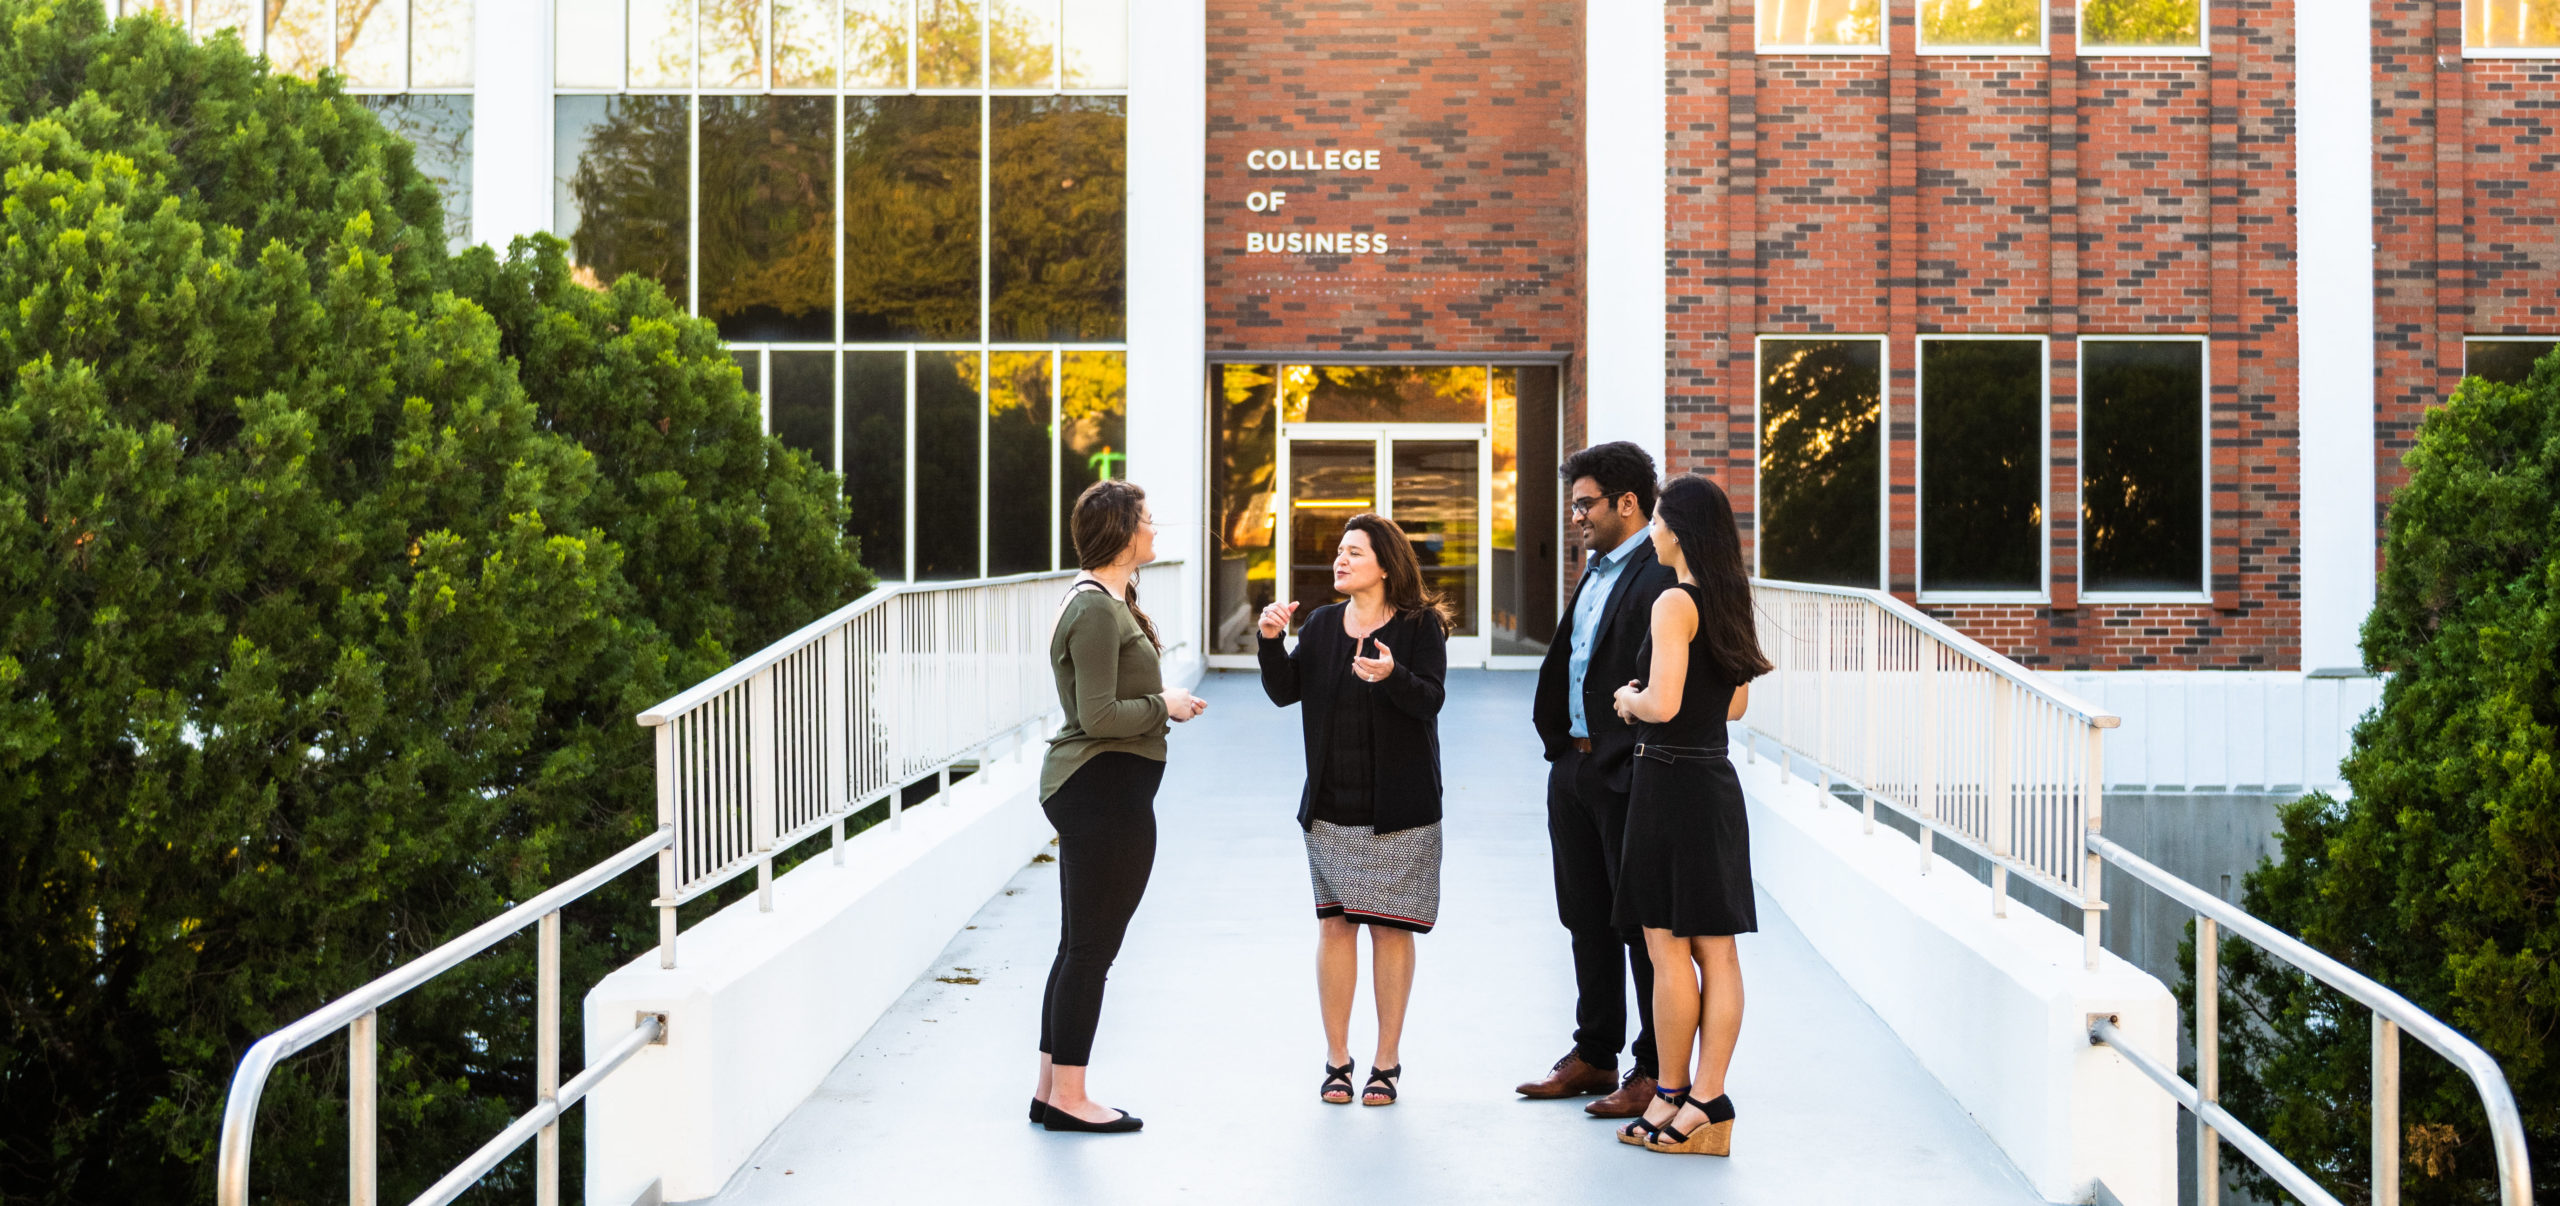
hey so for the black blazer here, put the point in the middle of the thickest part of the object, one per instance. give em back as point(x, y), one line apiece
point(1615, 651)
point(1405, 724)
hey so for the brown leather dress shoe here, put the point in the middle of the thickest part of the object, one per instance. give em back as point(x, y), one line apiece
point(1628, 1101)
point(1570, 1078)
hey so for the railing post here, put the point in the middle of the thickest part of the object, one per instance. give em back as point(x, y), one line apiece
point(761, 752)
point(1997, 801)
point(1787, 642)
point(2208, 1058)
point(546, 1059)
point(2093, 797)
point(667, 857)
point(898, 708)
point(1869, 676)
point(1822, 692)
point(1931, 706)
point(2386, 1111)
point(838, 772)
point(360, 1110)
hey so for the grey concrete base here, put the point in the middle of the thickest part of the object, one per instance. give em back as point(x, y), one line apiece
point(1211, 1035)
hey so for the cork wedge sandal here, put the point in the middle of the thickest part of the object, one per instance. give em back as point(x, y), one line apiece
point(1641, 1130)
point(1713, 1137)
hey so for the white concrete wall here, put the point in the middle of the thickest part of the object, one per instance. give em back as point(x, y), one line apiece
point(1626, 175)
point(2225, 730)
point(1168, 289)
point(762, 1005)
point(1996, 1009)
point(2333, 81)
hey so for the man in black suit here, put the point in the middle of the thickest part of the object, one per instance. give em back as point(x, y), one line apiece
point(1603, 631)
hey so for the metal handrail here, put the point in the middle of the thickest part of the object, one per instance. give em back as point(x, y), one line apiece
point(355, 1013)
point(2392, 1014)
point(1972, 649)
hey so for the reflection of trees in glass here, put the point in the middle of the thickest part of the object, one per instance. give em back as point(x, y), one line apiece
point(1982, 22)
point(732, 43)
point(2511, 24)
point(2142, 465)
point(1093, 437)
point(373, 42)
point(804, 44)
point(911, 217)
point(1018, 534)
point(298, 36)
point(1244, 418)
point(768, 231)
point(440, 43)
point(946, 500)
point(438, 128)
point(875, 458)
point(1392, 393)
point(630, 190)
point(661, 33)
point(1821, 406)
point(875, 43)
point(1059, 188)
point(2141, 23)
point(2505, 361)
point(1018, 46)
point(801, 409)
point(1981, 464)
point(1822, 22)
point(1503, 531)
point(1097, 43)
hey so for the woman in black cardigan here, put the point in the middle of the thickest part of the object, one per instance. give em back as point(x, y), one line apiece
point(1370, 673)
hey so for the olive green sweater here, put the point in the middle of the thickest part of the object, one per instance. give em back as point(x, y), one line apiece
point(1109, 685)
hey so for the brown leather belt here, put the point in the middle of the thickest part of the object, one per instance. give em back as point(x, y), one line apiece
point(1581, 745)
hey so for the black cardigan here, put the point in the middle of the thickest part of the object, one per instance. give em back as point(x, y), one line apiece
point(1405, 725)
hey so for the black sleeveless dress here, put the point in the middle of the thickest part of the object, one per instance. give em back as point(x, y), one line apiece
point(1686, 866)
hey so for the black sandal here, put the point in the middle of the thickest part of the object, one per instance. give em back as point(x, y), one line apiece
point(1336, 1076)
point(1382, 1083)
point(1640, 1132)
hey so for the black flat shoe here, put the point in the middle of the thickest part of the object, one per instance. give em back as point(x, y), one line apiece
point(1060, 1120)
point(1039, 1111)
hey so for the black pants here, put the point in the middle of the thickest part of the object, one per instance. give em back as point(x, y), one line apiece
point(1586, 827)
point(1105, 815)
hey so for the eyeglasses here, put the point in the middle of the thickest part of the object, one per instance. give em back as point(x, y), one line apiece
point(1582, 506)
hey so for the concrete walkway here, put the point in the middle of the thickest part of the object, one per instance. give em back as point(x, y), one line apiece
point(1210, 1032)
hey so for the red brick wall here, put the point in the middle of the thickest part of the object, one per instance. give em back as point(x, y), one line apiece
point(2049, 195)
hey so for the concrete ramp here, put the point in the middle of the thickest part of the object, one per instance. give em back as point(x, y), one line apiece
point(1210, 1032)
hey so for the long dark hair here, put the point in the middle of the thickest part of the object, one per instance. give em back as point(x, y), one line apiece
point(1406, 595)
point(1106, 519)
point(1700, 517)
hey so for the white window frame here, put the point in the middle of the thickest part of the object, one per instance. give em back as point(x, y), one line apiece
point(2468, 340)
point(2204, 451)
point(253, 39)
point(2201, 50)
point(1800, 50)
point(2043, 591)
point(2470, 51)
point(2042, 48)
point(1884, 443)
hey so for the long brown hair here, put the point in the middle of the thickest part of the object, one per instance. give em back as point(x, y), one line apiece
point(1406, 596)
point(1106, 519)
point(1700, 517)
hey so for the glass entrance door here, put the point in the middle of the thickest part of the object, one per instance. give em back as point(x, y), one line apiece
point(1429, 478)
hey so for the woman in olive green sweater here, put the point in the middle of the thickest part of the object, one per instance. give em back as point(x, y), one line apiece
point(1099, 787)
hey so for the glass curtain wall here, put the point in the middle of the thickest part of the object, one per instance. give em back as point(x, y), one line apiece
point(407, 60)
point(909, 215)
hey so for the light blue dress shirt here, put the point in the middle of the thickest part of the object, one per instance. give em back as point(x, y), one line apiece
point(1588, 606)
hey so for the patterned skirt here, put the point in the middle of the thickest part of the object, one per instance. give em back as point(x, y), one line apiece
point(1390, 879)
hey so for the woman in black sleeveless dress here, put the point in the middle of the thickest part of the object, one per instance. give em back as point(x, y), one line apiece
point(1685, 871)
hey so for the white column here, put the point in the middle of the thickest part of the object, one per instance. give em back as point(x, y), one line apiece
point(1625, 171)
point(2333, 182)
point(510, 120)
point(1168, 310)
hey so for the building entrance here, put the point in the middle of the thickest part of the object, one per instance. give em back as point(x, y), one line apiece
point(1432, 479)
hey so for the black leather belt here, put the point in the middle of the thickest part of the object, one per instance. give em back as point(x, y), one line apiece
point(1680, 753)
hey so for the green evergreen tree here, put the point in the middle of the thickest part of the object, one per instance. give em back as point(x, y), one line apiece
point(331, 574)
point(2441, 875)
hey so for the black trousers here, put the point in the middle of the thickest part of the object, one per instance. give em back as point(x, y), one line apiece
point(1105, 815)
point(1586, 828)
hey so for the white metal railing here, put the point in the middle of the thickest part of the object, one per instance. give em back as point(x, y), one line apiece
point(898, 686)
point(1925, 721)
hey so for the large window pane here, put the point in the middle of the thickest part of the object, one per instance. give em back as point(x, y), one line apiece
point(439, 128)
point(1981, 464)
point(2142, 466)
point(802, 408)
point(875, 458)
point(2000, 23)
point(732, 43)
point(587, 42)
point(440, 43)
point(298, 36)
point(768, 230)
point(1383, 393)
point(947, 47)
point(1329, 482)
point(1019, 538)
point(1060, 194)
point(1434, 500)
point(1097, 37)
point(1022, 46)
point(750, 370)
point(1525, 522)
point(1093, 433)
point(804, 44)
point(373, 44)
point(1244, 422)
point(2511, 25)
point(911, 218)
point(661, 43)
point(875, 43)
point(2141, 24)
point(1821, 438)
point(1822, 22)
point(2505, 361)
point(946, 499)
point(215, 16)
point(623, 164)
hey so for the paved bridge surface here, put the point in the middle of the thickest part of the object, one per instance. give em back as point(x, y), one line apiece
point(1210, 1032)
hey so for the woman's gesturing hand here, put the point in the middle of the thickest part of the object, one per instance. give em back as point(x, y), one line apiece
point(1180, 705)
point(1275, 618)
point(1373, 669)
